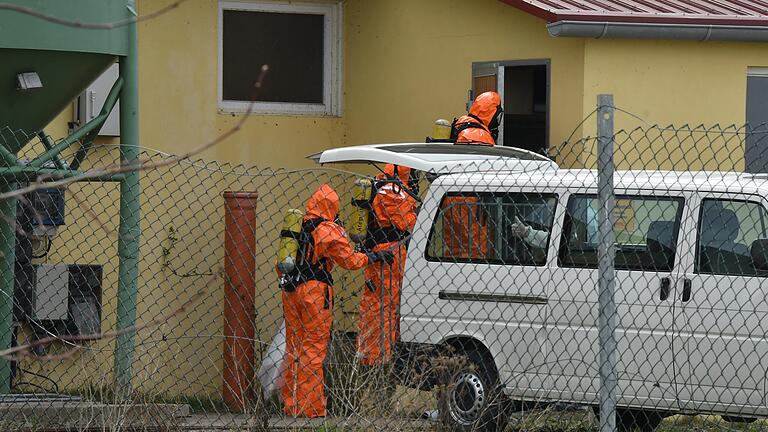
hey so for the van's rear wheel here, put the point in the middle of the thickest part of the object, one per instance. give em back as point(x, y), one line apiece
point(471, 397)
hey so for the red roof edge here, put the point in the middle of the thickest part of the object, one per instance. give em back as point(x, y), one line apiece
point(642, 17)
point(533, 10)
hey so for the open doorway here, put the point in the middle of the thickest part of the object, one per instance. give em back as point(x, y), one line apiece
point(524, 89)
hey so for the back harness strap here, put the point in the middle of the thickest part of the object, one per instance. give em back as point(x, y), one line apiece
point(376, 233)
point(306, 268)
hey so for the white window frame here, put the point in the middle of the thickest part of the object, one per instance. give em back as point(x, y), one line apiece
point(757, 71)
point(332, 59)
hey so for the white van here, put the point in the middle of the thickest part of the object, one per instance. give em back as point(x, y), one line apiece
point(690, 266)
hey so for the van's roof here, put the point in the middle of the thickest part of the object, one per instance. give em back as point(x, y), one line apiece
point(716, 181)
point(440, 158)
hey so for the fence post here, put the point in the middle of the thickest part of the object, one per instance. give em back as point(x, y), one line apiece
point(606, 255)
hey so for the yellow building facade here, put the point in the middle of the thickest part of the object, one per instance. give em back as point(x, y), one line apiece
point(404, 63)
point(408, 63)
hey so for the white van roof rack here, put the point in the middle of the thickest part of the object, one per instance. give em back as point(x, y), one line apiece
point(440, 158)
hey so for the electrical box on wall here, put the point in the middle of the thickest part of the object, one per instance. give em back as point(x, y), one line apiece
point(63, 299)
point(48, 205)
point(51, 292)
point(88, 105)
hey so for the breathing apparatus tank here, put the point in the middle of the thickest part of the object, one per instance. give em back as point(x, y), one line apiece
point(361, 196)
point(289, 243)
point(441, 130)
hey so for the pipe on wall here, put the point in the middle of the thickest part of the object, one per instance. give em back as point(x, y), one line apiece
point(624, 30)
point(239, 298)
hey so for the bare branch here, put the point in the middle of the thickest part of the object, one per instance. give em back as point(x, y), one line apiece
point(139, 165)
point(91, 26)
point(89, 211)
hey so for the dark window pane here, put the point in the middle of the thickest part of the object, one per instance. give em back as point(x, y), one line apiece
point(727, 229)
point(496, 228)
point(291, 44)
point(645, 231)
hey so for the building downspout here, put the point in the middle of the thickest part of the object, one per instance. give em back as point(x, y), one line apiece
point(130, 229)
point(625, 30)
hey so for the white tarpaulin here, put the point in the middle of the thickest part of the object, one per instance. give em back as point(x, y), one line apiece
point(271, 370)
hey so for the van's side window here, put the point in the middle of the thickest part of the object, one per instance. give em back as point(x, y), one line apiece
point(726, 231)
point(645, 229)
point(495, 228)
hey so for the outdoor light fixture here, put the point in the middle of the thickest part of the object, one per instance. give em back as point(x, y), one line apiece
point(28, 81)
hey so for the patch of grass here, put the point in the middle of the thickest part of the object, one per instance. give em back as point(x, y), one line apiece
point(198, 404)
point(551, 419)
point(708, 423)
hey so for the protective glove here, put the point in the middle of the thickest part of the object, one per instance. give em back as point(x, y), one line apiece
point(519, 229)
point(532, 237)
point(386, 256)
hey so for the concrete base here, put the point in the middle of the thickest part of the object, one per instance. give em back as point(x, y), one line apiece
point(351, 424)
point(80, 416)
point(240, 422)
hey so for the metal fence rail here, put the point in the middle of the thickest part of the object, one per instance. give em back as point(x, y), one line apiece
point(494, 315)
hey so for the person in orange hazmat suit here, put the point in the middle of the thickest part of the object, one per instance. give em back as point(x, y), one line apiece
point(481, 124)
point(465, 233)
point(392, 217)
point(308, 302)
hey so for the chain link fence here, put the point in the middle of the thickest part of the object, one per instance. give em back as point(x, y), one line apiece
point(486, 316)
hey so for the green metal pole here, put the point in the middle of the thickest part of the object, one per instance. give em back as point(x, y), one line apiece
point(85, 130)
point(66, 142)
point(48, 147)
point(8, 158)
point(106, 110)
point(26, 174)
point(130, 229)
point(7, 261)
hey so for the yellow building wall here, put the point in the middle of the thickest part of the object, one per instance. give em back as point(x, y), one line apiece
point(406, 63)
point(178, 75)
point(410, 62)
point(672, 83)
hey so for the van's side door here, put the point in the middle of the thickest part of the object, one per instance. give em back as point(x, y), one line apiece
point(722, 308)
point(482, 278)
point(646, 228)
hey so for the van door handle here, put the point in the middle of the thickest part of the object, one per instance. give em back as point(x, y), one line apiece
point(686, 290)
point(666, 283)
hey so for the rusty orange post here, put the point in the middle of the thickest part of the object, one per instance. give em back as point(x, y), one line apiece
point(239, 297)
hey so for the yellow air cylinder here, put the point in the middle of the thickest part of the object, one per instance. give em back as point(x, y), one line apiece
point(289, 245)
point(442, 129)
point(359, 224)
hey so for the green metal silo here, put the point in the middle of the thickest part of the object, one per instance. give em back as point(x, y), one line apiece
point(50, 51)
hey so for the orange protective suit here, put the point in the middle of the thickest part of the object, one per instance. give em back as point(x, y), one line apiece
point(482, 113)
point(308, 310)
point(465, 232)
point(378, 323)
